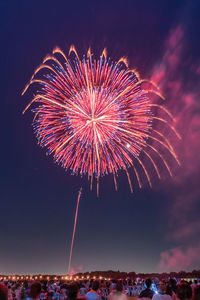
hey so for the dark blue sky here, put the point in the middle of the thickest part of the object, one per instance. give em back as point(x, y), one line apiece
point(146, 231)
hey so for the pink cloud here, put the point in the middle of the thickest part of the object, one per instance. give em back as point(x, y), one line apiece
point(177, 259)
point(186, 231)
point(171, 57)
point(76, 269)
point(183, 101)
point(175, 77)
point(198, 70)
point(175, 37)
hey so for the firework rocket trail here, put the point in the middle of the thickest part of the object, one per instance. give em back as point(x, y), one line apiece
point(74, 230)
point(96, 117)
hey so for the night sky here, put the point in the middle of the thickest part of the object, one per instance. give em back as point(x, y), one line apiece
point(150, 230)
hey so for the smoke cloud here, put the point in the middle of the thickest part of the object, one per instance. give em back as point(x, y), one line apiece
point(178, 76)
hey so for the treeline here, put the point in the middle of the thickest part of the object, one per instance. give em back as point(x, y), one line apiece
point(133, 275)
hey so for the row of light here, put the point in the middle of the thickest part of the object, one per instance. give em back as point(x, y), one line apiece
point(48, 277)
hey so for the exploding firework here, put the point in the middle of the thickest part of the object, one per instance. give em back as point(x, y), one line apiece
point(95, 117)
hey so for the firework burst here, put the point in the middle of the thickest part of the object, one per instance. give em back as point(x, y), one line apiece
point(95, 117)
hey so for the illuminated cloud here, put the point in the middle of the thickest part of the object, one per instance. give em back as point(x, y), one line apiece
point(177, 259)
point(180, 83)
point(76, 269)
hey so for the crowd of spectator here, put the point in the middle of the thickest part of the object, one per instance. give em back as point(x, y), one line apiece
point(99, 290)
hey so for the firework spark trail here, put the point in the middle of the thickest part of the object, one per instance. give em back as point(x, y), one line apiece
point(96, 117)
point(74, 230)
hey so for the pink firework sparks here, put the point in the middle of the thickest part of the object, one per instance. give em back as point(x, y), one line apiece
point(95, 117)
point(74, 230)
